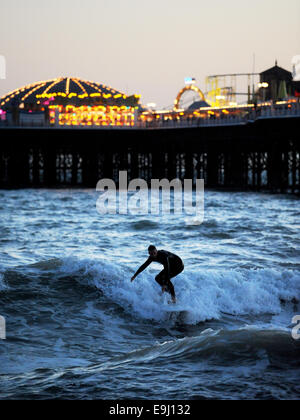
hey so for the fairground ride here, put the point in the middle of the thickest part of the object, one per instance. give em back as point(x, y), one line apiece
point(187, 96)
point(221, 89)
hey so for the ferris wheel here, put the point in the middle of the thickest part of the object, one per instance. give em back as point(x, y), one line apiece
point(187, 96)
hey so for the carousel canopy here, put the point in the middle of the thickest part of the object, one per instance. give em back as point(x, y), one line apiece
point(66, 91)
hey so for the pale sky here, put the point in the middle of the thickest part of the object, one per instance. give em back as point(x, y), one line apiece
point(144, 47)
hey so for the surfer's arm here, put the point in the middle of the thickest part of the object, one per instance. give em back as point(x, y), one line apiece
point(142, 268)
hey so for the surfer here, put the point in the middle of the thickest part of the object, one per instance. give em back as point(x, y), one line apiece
point(173, 265)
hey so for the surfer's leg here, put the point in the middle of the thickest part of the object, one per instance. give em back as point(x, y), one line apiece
point(170, 289)
point(173, 273)
point(160, 278)
point(166, 284)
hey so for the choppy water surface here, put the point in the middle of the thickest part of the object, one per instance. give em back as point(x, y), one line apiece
point(78, 328)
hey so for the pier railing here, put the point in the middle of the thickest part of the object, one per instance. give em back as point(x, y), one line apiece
point(274, 111)
point(231, 117)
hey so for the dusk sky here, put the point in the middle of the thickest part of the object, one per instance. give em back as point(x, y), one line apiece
point(144, 47)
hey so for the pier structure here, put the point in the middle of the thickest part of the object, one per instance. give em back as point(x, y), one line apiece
point(67, 132)
point(261, 154)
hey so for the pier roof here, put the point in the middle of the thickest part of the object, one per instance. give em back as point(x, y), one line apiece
point(278, 72)
point(66, 90)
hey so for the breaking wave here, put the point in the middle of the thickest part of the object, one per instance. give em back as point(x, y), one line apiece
point(202, 294)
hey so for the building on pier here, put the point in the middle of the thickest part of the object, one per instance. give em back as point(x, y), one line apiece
point(277, 83)
point(71, 102)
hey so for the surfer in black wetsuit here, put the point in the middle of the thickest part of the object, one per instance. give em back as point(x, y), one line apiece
point(173, 265)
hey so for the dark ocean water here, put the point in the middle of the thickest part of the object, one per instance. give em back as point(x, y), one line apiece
point(78, 328)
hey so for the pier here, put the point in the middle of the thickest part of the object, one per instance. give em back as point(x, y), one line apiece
point(259, 154)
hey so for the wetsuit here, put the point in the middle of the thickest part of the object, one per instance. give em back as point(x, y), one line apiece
point(173, 265)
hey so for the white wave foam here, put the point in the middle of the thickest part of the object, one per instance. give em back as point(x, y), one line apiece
point(202, 294)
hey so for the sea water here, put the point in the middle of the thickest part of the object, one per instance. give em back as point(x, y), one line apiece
point(77, 327)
